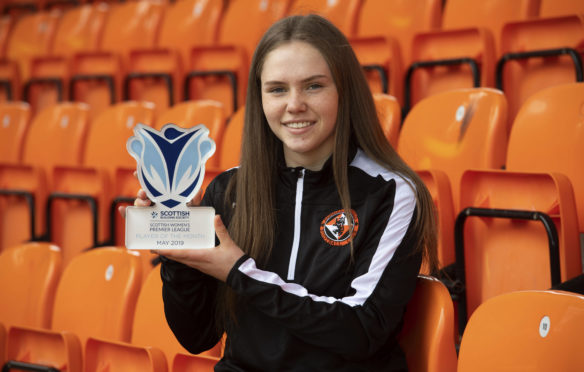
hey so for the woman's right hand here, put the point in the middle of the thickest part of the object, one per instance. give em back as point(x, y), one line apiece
point(140, 201)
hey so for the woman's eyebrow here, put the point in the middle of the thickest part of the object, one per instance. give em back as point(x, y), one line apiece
point(310, 78)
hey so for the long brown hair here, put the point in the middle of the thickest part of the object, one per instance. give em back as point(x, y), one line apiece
point(253, 223)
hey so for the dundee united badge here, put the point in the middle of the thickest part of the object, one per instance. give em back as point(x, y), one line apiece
point(336, 229)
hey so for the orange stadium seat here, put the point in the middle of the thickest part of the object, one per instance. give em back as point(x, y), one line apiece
point(427, 336)
point(156, 74)
point(534, 331)
point(343, 14)
point(548, 136)
point(80, 204)
point(193, 363)
point(516, 231)
point(96, 77)
point(464, 52)
point(101, 356)
point(32, 35)
point(55, 137)
point(230, 148)
point(78, 30)
point(389, 112)
point(151, 334)
point(8, 69)
point(220, 71)
point(468, 130)
point(382, 64)
point(2, 343)
point(14, 122)
point(399, 20)
point(537, 54)
point(29, 274)
point(96, 297)
point(438, 184)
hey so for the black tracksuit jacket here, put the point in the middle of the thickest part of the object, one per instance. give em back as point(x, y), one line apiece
point(310, 307)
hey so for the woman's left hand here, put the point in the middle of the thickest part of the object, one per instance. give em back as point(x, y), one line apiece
point(216, 262)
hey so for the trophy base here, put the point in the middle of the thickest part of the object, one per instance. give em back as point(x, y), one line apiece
point(158, 227)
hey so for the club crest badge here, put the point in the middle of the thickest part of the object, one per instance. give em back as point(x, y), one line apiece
point(337, 230)
point(171, 163)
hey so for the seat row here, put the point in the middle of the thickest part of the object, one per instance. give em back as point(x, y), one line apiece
point(96, 314)
point(195, 49)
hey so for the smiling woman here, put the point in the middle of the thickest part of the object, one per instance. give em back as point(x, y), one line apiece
point(325, 226)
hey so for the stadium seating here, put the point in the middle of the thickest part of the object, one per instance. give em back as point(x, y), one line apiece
point(532, 331)
point(56, 137)
point(463, 52)
point(152, 341)
point(29, 274)
point(80, 203)
point(558, 8)
point(95, 297)
point(537, 54)
point(548, 136)
point(78, 30)
point(467, 131)
point(157, 74)
point(515, 231)
point(427, 336)
point(96, 77)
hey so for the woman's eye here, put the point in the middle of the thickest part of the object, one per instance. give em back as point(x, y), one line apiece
point(314, 86)
point(276, 90)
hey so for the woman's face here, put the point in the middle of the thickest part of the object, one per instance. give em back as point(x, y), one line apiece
point(300, 101)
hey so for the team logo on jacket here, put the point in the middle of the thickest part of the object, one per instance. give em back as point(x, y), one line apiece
point(336, 229)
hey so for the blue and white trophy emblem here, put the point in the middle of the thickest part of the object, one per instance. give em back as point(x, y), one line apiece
point(170, 168)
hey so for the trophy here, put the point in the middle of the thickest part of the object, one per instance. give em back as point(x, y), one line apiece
point(170, 168)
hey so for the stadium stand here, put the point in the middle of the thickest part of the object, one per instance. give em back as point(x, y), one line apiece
point(463, 52)
point(343, 14)
point(14, 123)
point(56, 137)
point(80, 202)
point(389, 112)
point(515, 231)
point(106, 310)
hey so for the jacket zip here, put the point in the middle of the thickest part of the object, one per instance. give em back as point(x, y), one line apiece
point(297, 214)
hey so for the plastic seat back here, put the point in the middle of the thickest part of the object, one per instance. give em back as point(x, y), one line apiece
point(400, 20)
point(109, 356)
point(185, 24)
point(150, 328)
point(389, 112)
point(14, 122)
point(32, 35)
point(532, 331)
point(468, 130)
point(343, 14)
point(427, 336)
point(56, 136)
point(78, 30)
point(29, 274)
point(538, 54)
point(72, 221)
point(548, 136)
point(527, 239)
point(97, 294)
point(464, 52)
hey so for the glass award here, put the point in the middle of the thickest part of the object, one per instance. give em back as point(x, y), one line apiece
point(170, 169)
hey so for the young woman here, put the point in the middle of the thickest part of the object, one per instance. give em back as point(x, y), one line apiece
point(326, 225)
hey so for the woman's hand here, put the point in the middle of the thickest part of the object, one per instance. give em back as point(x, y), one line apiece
point(216, 262)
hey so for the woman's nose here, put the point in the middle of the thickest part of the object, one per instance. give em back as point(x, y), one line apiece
point(296, 102)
